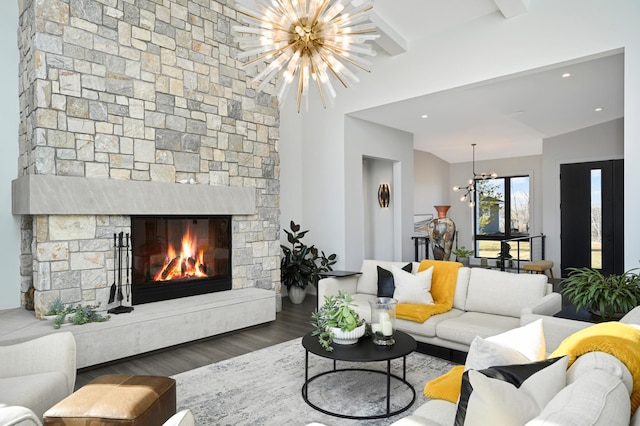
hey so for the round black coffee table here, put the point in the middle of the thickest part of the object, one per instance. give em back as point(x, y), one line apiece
point(363, 351)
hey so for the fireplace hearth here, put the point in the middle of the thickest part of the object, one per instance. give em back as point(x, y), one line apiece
point(179, 256)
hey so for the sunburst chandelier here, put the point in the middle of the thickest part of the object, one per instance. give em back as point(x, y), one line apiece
point(316, 40)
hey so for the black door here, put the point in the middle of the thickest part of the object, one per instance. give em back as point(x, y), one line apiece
point(592, 215)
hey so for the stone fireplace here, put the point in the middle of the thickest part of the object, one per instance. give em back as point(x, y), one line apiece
point(135, 109)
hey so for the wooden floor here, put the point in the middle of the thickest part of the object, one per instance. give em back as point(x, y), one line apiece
point(292, 322)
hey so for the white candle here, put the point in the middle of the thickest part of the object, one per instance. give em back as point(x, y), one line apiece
point(387, 327)
point(376, 328)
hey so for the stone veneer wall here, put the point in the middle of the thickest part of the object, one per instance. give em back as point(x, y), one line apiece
point(140, 90)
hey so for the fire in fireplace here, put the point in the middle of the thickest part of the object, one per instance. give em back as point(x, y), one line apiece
point(179, 256)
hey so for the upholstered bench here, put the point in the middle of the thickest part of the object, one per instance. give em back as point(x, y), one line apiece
point(117, 399)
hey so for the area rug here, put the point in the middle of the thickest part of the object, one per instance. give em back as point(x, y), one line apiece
point(265, 388)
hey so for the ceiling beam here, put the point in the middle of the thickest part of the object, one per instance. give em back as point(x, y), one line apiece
point(511, 8)
point(390, 40)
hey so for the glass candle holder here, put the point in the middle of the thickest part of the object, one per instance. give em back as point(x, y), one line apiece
point(383, 320)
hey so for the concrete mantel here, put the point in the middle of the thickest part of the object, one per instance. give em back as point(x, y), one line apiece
point(65, 195)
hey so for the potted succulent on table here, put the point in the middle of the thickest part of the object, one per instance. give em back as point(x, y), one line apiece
point(301, 265)
point(336, 322)
point(462, 255)
point(608, 296)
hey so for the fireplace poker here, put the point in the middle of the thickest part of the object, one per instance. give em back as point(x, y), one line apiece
point(128, 289)
point(112, 292)
point(120, 243)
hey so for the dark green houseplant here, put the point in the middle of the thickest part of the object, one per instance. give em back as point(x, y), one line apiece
point(609, 296)
point(302, 265)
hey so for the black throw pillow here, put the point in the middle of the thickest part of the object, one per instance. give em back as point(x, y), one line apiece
point(386, 286)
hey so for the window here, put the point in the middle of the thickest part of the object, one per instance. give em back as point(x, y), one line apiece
point(501, 212)
point(596, 218)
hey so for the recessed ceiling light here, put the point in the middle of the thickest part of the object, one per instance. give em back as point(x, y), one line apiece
point(424, 116)
point(599, 109)
point(566, 74)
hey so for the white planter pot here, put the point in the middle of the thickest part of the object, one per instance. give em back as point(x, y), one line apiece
point(297, 294)
point(347, 337)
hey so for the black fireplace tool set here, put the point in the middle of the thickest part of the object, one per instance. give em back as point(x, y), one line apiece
point(120, 246)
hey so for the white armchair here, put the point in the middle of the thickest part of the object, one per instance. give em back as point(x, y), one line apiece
point(39, 373)
point(18, 416)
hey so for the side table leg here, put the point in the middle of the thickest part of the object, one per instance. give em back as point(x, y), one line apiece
point(404, 368)
point(306, 374)
point(388, 387)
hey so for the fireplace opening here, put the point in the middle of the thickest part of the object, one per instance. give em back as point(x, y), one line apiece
point(179, 256)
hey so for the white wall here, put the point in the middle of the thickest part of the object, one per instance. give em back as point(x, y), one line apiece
point(378, 222)
point(431, 185)
point(597, 143)
point(363, 139)
point(9, 121)
point(486, 48)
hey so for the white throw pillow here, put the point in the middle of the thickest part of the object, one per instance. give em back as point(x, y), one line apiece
point(528, 340)
point(518, 346)
point(412, 288)
point(484, 354)
point(509, 395)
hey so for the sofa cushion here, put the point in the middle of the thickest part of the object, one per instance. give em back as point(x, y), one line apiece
point(361, 305)
point(427, 328)
point(464, 328)
point(386, 280)
point(595, 399)
point(632, 317)
point(462, 286)
point(437, 411)
point(412, 288)
point(503, 293)
point(368, 281)
point(511, 394)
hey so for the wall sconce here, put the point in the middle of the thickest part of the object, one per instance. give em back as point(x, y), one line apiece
point(384, 194)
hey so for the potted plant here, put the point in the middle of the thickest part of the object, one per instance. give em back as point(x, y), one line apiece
point(462, 254)
point(301, 265)
point(336, 321)
point(608, 296)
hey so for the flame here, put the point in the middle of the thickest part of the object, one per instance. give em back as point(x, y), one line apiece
point(188, 264)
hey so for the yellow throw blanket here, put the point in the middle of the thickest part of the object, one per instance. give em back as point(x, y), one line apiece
point(443, 287)
point(615, 338)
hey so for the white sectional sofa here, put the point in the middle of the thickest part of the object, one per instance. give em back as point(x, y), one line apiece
point(597, 391)
point(486, 302)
